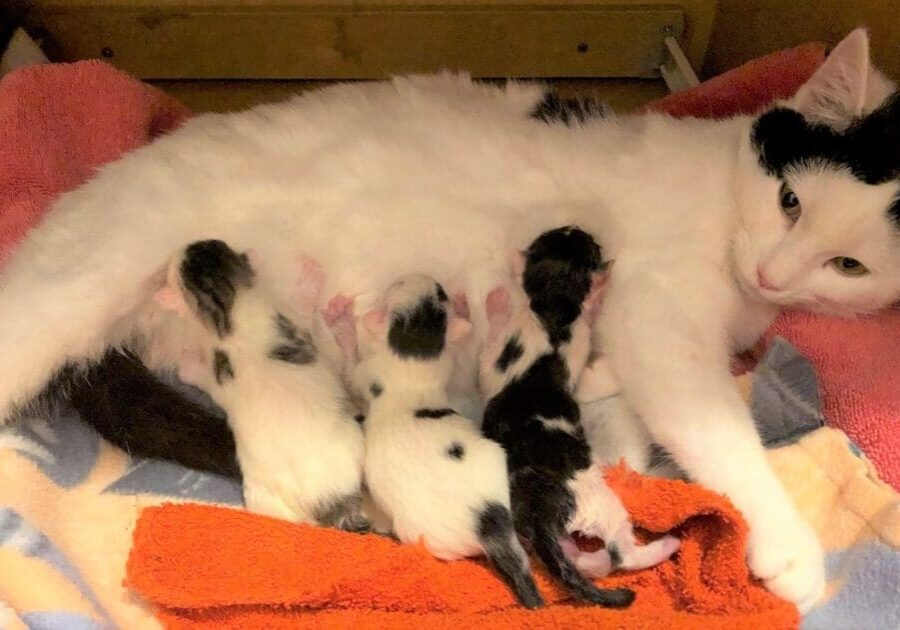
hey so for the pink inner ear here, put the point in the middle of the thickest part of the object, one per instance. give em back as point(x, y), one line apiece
point(457, 328)
point(170, 299)
point(374, 321)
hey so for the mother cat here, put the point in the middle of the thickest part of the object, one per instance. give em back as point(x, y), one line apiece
point(713, 227)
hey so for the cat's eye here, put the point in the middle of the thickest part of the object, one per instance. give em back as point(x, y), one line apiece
point(790, 204)
point(849, 266)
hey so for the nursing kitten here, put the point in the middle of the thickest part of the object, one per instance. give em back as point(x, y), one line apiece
point(529, 368)
point(427, 467)
point(714, 225)
point(299, 448)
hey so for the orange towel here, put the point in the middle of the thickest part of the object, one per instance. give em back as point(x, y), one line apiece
point(212, 567)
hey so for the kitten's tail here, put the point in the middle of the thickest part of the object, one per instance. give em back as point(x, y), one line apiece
point(547, 545)
point(503, 549)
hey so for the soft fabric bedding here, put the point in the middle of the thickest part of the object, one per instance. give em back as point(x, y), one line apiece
point(69, 502)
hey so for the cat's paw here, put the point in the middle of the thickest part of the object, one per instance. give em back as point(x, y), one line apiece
point(790, 561)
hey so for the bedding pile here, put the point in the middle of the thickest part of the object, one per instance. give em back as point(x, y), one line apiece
point(70, 503)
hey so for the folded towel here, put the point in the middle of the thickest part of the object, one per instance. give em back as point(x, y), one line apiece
point(206, 566)
point(59, 123)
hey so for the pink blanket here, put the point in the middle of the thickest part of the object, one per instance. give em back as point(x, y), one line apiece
point(60, 122)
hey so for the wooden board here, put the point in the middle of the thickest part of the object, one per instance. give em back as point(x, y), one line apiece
point(306, 40)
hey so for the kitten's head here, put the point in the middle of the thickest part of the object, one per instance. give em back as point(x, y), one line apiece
point(818, 188)
point(410, 334)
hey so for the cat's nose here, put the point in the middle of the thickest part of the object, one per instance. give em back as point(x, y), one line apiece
point(763, 281)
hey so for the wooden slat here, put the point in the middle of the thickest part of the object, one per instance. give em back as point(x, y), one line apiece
point(185, 41)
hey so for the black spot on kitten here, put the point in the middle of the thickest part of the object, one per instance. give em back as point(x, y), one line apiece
point(568, 111)
point(377, 389)
point(434, 414)
point(557, 277)
point(296, 346)
point(222, 367)
point(456, 451)
point(420, 332)
point(212, 273)
point(511, 353)
point(869, 148)
point(360, 418)
point(441, 294)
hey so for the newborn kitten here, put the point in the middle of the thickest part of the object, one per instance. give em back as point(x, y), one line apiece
point(299, 448)
point(427, 467)
point(528, 370)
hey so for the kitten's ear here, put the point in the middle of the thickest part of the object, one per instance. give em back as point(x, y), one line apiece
point(599, 280)
point(457, 328)
point(375, 323)
point(170, 297)
point(836, 93)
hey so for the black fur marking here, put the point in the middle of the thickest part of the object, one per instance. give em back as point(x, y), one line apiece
point(296, 345)
point(557, 278)
point(360, 418)
point(441, 294)
point(212, 273)
point(434, 414)
point(456, 451)
point(420, 332)
point(132, 409)
point(869, 148)
point(568, 111)
point(222, 366)
point(615, 556)
point(497, 536)
point(344, 513)
point(377, 389)
point(512, 352)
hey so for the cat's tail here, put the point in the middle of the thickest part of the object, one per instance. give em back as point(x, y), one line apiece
point(503, 549)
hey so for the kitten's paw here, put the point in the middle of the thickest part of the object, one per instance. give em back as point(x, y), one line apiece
point(790, 561)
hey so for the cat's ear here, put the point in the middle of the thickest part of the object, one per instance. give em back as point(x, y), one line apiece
point(594, 299)
point(836, 93)
point(375, 323)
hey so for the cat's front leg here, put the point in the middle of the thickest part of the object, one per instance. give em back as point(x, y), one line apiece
point(674, 372)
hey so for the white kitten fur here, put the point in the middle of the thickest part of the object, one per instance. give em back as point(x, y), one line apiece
point(434, 174)
point(428, 495)
point(300, 450)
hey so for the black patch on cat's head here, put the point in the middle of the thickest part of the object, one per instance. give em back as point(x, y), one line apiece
point(377, 389)
point(294, 346)
point(360, 418)
point(419, 332)
point(456, 451)
point(557, 277)
point(512, 352)
point(869, 148)
point(212, 273)
point(553, 109)
point(222, 368)
point(434, 414)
